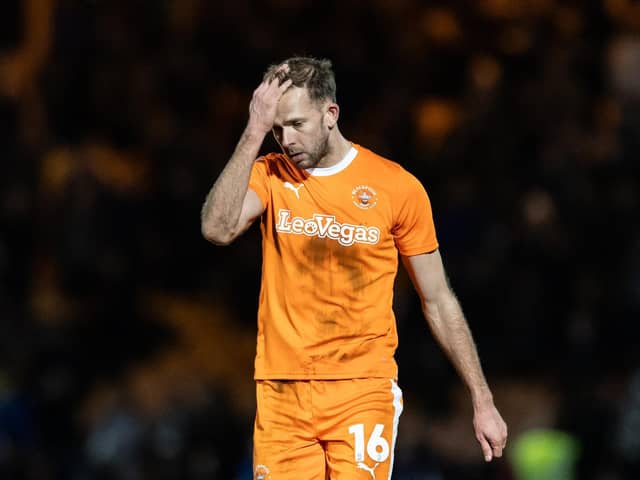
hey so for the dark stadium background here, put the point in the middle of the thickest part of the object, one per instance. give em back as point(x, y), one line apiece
point(127, 341)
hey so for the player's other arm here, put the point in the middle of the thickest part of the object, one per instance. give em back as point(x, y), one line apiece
point(231, 207)
point(449, 326)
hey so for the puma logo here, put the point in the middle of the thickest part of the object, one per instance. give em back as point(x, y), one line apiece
point(295, 189)
point(369, 469)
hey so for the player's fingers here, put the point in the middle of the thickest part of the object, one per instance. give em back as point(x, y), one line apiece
point(497, 451)
point(486, 448)
point(272, 86)
point(278, 74)
point(286, 84)
point(261, 88)
point(279, 77)
point(501, 441)
point(283, 68)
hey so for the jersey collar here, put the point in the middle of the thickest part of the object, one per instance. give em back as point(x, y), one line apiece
point(338, 167)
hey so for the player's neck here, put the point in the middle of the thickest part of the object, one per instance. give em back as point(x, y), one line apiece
point(338, 149)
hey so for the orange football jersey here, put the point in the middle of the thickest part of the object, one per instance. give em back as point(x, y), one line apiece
point(330, 243)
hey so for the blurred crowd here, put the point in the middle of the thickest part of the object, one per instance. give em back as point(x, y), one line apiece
point(127, 341)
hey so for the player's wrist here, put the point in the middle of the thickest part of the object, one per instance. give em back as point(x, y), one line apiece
point(482, 398)
point(256, 130)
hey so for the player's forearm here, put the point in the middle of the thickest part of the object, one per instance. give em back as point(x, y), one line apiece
point(223, 205)
point(449, 327)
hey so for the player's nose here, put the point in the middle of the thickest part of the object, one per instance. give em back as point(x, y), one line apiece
point(287, 139)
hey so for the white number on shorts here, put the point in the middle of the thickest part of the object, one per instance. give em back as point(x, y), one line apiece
point(377, 447)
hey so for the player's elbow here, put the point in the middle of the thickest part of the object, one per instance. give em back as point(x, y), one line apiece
point(216, 235)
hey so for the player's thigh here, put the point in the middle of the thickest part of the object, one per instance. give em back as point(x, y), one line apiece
point(284, 447)
point(361, 445)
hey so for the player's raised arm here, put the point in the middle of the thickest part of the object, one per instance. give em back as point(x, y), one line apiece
point(449, 326)
point(230, 207)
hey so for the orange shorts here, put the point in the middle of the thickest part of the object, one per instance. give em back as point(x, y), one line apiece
point(325, 429)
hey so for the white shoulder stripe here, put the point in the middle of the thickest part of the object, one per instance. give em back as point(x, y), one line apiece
point(397, 410)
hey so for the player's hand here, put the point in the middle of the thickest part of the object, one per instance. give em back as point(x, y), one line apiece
point(262, 109)
point(491, 431)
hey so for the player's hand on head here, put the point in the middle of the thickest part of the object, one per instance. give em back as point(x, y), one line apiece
point(491, 432)
point(262, 109)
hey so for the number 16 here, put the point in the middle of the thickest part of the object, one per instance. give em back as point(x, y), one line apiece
point(377, 447)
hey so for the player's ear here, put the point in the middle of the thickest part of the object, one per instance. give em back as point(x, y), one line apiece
point(331, 114)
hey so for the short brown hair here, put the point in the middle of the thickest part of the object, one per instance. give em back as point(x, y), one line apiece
point(315, 74)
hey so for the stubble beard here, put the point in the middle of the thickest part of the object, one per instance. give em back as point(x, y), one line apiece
point(317, 154)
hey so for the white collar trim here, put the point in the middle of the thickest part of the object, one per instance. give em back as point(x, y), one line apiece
point(338, 167)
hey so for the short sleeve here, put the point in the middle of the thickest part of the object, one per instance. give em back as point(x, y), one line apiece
point(413, 230)
point(259, 180)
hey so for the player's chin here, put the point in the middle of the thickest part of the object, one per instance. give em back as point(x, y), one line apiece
point(302, 160)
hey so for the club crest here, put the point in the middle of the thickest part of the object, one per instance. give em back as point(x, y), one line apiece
point(261, 473)
point(364, 197)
